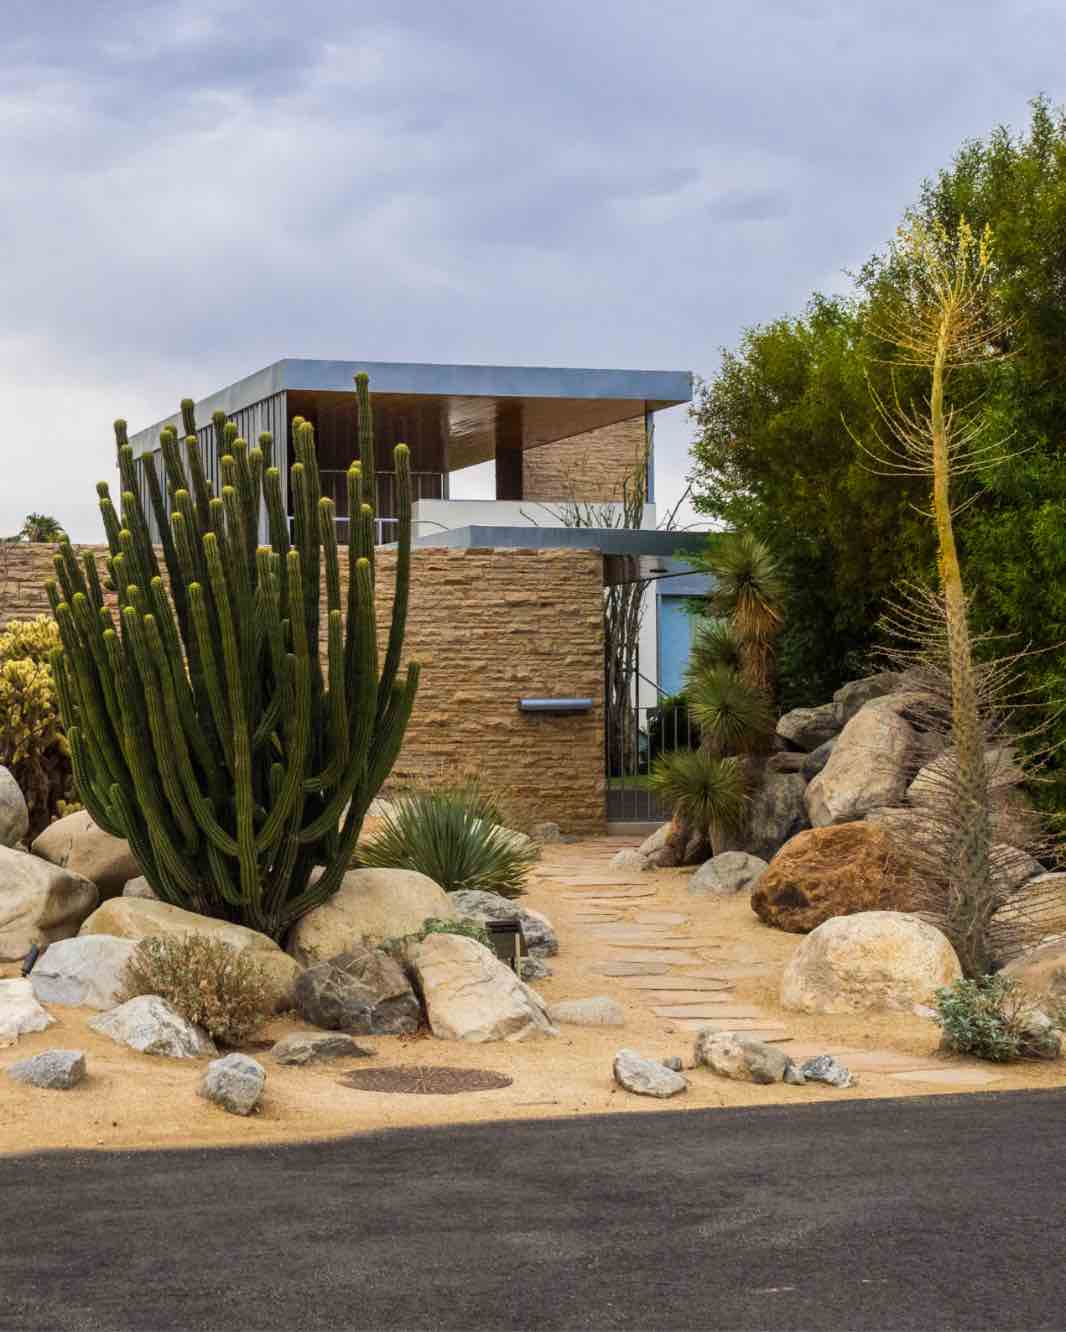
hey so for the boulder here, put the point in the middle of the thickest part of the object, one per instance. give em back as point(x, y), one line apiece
point(363, 991)
point(534, 968)
point(14, 814)
point(849, 698)
point(55, 1070)
point(826, 872)
point(824, 1068)
point(1041, 970)
point(303, 1047)
point(601, 1011)
point(869, 766)
point(151, 1025)
point(140, 887)
point(807, 728)
point(873, 961)
point(629, 858)
point(778, 811)
point(370, 906)
point(936, 779)
point(138, 918)
point(743, 1058)
point(646, 1077)
point(20, 1013)
point(86, 972)
point(727, 873)
point(471, 996)
point(538, 933)
point(76, 843)
point(1038, 904)
point(788, 760)
point(658, 839)
point(234, 1082)
point(39, 903)
point(815, 761)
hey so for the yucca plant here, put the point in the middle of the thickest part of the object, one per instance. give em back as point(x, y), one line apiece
point(453, 836)
point(733, 717)
point(715, 645)
point(206, 724)
point(708, 793)
point(749, 592)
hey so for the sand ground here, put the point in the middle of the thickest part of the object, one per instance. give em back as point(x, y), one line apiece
point(132, 1101)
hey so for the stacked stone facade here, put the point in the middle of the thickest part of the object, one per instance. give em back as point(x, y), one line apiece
point(589, 468)
point(489, 627)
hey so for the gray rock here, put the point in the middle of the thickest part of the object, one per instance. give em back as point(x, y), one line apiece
point(304, 1048)
point(868, 768)
point(362, 991)
point(788, 760)
point(87, 971)
point(794, 1076)
point(777, 813)
point(824, 1068)
point(654, 844)
point(674, 1063)
point(849, 698)
point(56, 1070)
point(140, 887)
point(534, 968)
point(629, 858)
point(234, 1082)
point(601, 1011)
point(646, 1077)
point(744, 1058)
point(807, 728)
point(545, 832)
point(725, 874)
point(1043, 1041)
point(538, 933)
point(14, 815)
point(20, 1013)
point(39, 903)
point(815, 761)
point(149, 1024)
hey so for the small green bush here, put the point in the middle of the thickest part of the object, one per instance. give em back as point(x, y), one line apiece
point(989, 1018)
point(217, 987)
point(453, 836)
point(469, 929)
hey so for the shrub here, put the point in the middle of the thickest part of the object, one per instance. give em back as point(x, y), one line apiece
point(469, 929)
point(990, 1018)
point(709, 793)
point(32, 743)
point(219, 988)
point(452, 835)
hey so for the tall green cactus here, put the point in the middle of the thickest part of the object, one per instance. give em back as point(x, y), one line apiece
point(206, 725)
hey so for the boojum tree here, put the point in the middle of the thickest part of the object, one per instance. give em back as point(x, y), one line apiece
point(940, 322)
point(206, 725)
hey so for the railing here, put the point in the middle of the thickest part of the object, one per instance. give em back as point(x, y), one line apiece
point(635, 737)
point(424, 485)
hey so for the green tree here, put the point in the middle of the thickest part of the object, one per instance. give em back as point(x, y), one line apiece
point(41, 527)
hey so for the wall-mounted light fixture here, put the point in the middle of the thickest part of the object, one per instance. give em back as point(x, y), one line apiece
point(555, 705)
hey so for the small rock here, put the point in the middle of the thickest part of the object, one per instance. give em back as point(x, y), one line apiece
point(140, 887)
point(628, 859)
point(824, 1068)
point(534, 968)
point(1042, 1040)
point(56, 1070)
point(149, 1024)
point(303, 1048)
point(655, 843)
point(646, 1077)
point(727, 873)
point(601, 1011)
point(545, 832)
point(234, 1082)
point(735, 1055)
point(924, 1011)
point(20, 1013)
point(794, 1076)
point(674, 1063)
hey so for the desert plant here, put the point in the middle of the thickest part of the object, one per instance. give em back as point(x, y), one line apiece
point(217, 987)
point(453, 837)
point(733, 716)
point(708, 794)
point(41, 527)
point(716, 645)
point(204, 725)
point(468, 929)
point(991, 1017)
point(32, 743)
point(748, 592)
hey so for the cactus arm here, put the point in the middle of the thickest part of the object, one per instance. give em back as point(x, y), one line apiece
point(212, 680)
point(403, 578)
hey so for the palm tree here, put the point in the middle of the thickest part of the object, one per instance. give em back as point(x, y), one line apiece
point(40, 527)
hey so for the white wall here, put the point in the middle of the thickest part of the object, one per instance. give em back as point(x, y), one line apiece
point(446, 515)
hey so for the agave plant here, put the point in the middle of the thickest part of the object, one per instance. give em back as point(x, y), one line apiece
point(454, 837)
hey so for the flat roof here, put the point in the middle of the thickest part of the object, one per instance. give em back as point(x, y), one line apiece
point(467, 393)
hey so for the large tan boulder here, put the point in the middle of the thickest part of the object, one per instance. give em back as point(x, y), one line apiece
point(835, 871)
point(469, 994)
point(76, 843)
point(39, 903)
point(874, 961)
point(870, 765)
point(139, 918)
point(938, 780)
point(1041, 970)
point(370, 906)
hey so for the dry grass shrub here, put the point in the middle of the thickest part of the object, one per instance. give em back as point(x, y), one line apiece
point(217, 987)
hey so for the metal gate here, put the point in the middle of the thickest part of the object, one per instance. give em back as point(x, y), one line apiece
point(635, 736)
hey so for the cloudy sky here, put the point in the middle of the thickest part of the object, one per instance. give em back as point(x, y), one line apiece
point(190, 190)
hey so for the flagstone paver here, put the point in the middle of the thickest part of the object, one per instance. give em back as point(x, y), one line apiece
point(948, 1077)
point(642, 954)
point(661, 918)
point(629, 967)
point(679, 981)
point(725, 1012)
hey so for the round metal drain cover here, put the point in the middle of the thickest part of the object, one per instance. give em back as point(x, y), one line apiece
point(425, 1080)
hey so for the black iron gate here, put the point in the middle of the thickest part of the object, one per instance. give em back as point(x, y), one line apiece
point(635, 736)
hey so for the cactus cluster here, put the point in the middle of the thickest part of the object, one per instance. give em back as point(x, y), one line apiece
point(206, 725)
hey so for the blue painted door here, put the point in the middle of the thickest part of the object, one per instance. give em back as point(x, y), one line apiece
point(675, 638)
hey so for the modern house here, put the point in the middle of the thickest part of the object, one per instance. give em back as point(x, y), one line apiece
point(507, 615)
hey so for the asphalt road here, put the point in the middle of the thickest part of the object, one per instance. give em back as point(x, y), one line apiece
point(917, 1213)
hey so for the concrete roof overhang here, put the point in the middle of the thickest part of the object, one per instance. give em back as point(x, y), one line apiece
point(550, 403)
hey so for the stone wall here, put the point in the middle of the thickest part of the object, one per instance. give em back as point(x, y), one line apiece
point(587, 468)
point(489, 627)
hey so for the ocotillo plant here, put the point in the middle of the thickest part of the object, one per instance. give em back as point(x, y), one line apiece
point(206, 725)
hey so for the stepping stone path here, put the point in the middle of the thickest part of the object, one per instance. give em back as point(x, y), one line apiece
point(654, 956)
